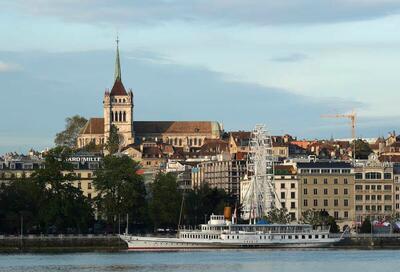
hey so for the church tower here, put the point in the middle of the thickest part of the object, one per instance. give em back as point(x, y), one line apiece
point(118, 107)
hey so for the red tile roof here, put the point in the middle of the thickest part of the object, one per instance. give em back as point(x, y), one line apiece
point(94, 126)
point(118, 88)
point(157, 127)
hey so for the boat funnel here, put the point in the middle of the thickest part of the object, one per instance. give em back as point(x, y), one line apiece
point(228, 213)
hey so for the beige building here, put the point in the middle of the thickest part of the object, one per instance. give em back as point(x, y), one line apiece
point(327, 186)
point(374, 190)
point(286, 189)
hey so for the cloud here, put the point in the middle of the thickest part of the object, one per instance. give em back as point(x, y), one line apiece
point(53, 86)
point(8, 67)
point(259, 12)
point(295, 57)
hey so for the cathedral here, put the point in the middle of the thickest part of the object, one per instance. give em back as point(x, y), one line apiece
point(118, 107)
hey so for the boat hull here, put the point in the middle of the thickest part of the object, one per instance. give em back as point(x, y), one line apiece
point(139, 243)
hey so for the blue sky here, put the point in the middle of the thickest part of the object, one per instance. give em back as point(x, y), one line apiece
point(282, 63)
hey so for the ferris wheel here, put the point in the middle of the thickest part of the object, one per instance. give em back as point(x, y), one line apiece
point(258, 196)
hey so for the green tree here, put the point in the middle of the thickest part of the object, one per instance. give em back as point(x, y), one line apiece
point(362, 149)
point(366, 226)
point(312, 217)
point(203, 201)
point(63, 207)
point(68, 137)
point(165, 201)
point(121, 190)
point(279, 216)
point(19, 199)
point(112, 144)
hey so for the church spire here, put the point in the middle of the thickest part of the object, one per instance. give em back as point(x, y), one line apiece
point(117, 72)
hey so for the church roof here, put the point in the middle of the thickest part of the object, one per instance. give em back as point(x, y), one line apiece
point(157, 127)
point(94, 126)
point(118, 88)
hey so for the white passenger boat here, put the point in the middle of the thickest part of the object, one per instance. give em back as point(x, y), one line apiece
point(221, 233)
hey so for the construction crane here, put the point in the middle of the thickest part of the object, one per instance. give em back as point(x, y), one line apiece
point(352, 117)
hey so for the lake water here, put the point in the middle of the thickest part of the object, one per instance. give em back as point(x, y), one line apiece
point(221, 260)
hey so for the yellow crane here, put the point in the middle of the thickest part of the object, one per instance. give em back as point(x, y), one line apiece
point(352, 117)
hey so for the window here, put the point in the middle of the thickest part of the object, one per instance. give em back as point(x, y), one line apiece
point(282, 185)
point(346, 214)
point(359, 207)
point(336, 215)
point(387, 175)
point(388, 197)
point(345, 191)
point(79, 175)
point(305, 191)
point(293, 205)
point(79, 185)
point(373, 197)
point(305, 203)
point(367, 208)
point(305, 181)
point(325, 171)
point(336, 202)
point(358, 176)
point(325, 202)
point(283, 204)
point(336, 191)
point(373, 187)
point(292, 185)
point(282, 195)
point(315, 171)
point(89, 175)
point(93, 165)
point(359, 197)
point(367, 197)
point(335, 170)
point(358, 187)
point(325, 191)
point(305, 171)
point(345, 171)
point(367, 187)
point(345, 181)
point(315, 191)
point(325, 181)
point(346, 202)
point(335, 181)
point(89, 195)
point(315, 181)
point(293, 195)
point(315, 202)
point(379, 197)
point(373, 175)
point(388, 187)
point(89, 185)
point(379, 187)
point(388, 207)
point(379, 208)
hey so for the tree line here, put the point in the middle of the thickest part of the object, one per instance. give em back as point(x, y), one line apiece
point(47, 202)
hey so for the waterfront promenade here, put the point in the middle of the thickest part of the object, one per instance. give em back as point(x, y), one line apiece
point(78, 243)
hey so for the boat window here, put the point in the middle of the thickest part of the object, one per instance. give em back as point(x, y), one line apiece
point(228, 236)
point(323, 236)
point(237, 237)
point(290, 236)
point(309, 236)
point(296, 237)
point(303, 237)
point(316, 237)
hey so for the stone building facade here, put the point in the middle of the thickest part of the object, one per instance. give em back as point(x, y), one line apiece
point(118, 105)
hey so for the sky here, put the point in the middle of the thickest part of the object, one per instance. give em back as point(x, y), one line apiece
point(240, 62)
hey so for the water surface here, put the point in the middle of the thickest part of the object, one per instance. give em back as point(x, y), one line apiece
point(218, 260)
